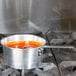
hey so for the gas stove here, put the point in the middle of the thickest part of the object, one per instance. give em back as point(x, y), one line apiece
point(56, 62)
point(65, 58)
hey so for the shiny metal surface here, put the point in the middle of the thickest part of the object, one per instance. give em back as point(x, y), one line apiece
point(56, 15)
point(16, 14)
point(14, 17)
point(44, 14)
point(22, 58)
point(60, 46)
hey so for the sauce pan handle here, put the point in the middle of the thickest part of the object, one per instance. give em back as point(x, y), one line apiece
point(58, 46)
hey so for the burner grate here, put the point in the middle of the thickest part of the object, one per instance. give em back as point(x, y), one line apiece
point(63, 55)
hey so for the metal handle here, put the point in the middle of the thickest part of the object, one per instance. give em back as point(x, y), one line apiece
point(60, 46)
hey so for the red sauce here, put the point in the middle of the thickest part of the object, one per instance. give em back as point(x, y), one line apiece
point(24, 44)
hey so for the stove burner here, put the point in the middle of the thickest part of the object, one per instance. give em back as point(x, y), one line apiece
point(66, 56)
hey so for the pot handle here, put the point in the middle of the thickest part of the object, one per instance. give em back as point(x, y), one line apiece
point(58, 46)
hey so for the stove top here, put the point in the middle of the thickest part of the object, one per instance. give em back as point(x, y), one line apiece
point(66, 58)
point(62, 63)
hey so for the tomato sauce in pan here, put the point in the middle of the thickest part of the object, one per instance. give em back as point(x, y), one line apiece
point(24, 44)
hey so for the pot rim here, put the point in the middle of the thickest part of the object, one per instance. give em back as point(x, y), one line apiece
point(19, 35)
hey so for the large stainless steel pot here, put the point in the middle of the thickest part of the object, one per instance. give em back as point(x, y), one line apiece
point(22, 58)
point(25, 58)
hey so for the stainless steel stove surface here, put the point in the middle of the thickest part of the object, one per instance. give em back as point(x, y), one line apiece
point(62, 63)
